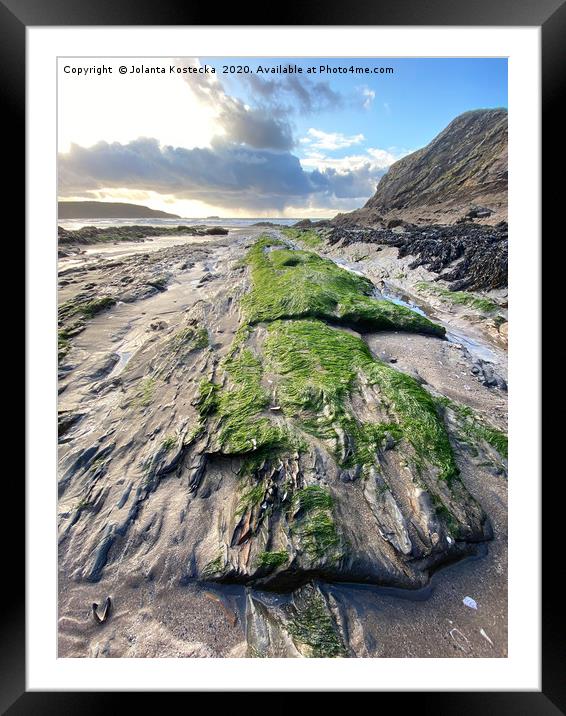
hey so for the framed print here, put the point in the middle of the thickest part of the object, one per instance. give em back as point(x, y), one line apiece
point(277, 303)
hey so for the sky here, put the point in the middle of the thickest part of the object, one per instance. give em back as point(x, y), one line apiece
point(257, 144)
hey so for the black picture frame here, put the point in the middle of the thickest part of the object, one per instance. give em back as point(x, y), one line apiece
point(550, 15)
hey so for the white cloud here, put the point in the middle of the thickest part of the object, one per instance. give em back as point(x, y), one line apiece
point(369, 96)
point(374, 159)
point(317, 139)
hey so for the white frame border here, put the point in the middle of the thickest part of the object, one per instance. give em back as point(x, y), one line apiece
point(521, 670)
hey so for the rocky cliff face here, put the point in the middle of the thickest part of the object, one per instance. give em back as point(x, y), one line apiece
point(461, 173)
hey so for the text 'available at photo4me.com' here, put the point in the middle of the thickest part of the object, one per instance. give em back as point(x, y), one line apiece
point(225, 69)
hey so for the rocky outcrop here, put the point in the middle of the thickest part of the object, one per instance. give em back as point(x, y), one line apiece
point(261, 442)
point(94, 234)
point(461, 174)
point(466, 256)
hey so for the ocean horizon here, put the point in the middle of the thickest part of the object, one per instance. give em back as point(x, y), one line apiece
point(233, 223)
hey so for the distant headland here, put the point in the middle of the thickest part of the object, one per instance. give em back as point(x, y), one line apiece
point(109, 210)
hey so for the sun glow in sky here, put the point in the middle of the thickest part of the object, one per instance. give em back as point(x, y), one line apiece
point(116, 109)
point(255, 145)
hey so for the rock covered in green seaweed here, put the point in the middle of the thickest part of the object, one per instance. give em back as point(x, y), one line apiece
point(307, 409)
point(295, 454)
point(300, 284)
point(303, 626)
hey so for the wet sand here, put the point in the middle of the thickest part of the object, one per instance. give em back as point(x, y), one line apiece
point(200, 620)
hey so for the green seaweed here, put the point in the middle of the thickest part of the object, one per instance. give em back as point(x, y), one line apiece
point(301, 284)
point(445, 516)
point(461, 298)
point(81, 310)
point(417, 413)
point(314, 522)
point(318, 535)
point(214, 567)
point(64, 335)
point(250, 498)
point(474, 429)
point(237, 408)
point(242, 428)
point(83, 504)
point(86, 309)
point(144, 393)
point(312, 497)
point(307, 237)
point(272, 560)
point(192, 337)
point(368, 439)
point(63, 344)
point(168, 442)
point(317, 364)
point(207, 401)
point(194, 433)
point(312, 625)
point(159, 282)
point(319, 367)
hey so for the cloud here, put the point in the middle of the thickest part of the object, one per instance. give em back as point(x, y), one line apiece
point(368, 95)
point(306, 95)
point(317, 139)
point(252, 127)
point(239, 123)
point(249, 165)
point(267, 125)
point(226, 174)
point(376, 161)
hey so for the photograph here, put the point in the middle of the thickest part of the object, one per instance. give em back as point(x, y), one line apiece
point(282, 322)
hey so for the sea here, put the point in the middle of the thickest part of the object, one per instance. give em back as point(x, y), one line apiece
point(208, 221)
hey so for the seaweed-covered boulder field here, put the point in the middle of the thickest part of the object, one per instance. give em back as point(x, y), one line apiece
point(467, 256)
point(262, 442)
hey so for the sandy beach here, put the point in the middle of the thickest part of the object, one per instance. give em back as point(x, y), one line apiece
point(145, 541)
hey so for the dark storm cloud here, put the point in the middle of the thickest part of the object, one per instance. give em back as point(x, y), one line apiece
point(354, 184)
point(306, 95)
point(252, 127)
point(230, 175)
point(241, 124)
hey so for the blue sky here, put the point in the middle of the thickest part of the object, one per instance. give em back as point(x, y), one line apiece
point(271, 144)
point(411, 106)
